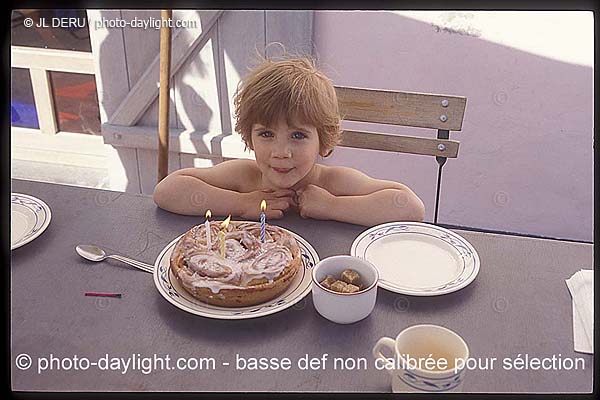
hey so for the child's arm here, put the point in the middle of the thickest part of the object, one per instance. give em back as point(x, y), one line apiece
point(351, 196)
point(192, 191)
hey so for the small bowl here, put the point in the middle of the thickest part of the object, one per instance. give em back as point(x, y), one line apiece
point(344, 308)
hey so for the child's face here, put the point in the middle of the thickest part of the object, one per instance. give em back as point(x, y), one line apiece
point(285, 154)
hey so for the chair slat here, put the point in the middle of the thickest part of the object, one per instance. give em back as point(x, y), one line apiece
point(401, 108)
point(399, 143)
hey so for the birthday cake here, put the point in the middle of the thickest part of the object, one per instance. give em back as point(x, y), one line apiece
point(243, 272)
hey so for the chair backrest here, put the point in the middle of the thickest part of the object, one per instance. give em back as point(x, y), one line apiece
point(441, 112)
point(401, 108)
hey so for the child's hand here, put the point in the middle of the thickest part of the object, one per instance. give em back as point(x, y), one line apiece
point(277, 202)
point(314, 202)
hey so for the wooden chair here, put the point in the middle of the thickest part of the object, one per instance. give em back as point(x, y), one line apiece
point(433, 111)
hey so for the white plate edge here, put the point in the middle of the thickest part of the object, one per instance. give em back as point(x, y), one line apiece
point(383, 285)
point(44, 225)
point(301, 295)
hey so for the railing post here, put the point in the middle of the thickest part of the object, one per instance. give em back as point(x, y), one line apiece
point(163, 96)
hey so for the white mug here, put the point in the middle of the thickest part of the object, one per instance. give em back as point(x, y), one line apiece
point(430, 344)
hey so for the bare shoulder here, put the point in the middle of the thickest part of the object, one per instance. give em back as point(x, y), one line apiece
point(241, 175)
point(334, 178)
point(346, 181)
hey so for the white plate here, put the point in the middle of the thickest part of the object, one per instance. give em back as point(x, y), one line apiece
point(418, 259)
point(29, 218)
point(170, 288)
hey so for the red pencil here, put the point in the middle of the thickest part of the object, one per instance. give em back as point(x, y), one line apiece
point(103, 294)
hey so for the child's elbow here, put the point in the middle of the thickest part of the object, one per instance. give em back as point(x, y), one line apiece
point(157, 197)
point(419, 210)
point(416, 210)
point(160, 194)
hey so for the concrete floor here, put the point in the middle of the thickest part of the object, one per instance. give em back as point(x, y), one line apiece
point(57, 173)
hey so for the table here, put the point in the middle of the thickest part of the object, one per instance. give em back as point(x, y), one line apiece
point(519, 304)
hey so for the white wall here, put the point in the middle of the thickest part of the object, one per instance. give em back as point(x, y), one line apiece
point(525, 162)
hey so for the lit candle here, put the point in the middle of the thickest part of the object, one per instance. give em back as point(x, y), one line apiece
point(224, 226)
point(263, 206)
point(207, 227)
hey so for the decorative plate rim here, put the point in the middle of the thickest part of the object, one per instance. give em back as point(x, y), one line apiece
point(42, 221)
point(462, 246)
point(163, 277)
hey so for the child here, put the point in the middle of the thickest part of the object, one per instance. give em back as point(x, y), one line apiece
point(287, 112)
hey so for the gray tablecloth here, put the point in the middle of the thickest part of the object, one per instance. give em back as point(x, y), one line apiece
point(518, 305)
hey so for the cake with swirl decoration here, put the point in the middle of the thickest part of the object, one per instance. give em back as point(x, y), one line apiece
point(232, 266)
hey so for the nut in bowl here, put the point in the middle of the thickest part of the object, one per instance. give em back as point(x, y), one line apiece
point(344, 288)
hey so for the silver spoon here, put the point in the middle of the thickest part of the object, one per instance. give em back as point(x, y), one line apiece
point(94, 253)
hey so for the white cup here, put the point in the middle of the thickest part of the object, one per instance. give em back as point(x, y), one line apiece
point(344, 308)
point(423, 342)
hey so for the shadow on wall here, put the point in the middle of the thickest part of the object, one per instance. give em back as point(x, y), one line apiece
point(525, 162)
point(526, 116)
point(202, 89)
point(125, 57)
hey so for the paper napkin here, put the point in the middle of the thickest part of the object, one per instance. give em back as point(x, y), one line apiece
point(581, 286)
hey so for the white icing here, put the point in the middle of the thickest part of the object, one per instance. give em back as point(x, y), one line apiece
point(246, 258)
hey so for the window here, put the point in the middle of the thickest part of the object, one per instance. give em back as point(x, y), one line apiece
point(76, 102)
point(22, 105)
point(74, 99)
point(59, 33)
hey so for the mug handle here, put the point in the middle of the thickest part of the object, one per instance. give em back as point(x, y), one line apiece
point(388, 343)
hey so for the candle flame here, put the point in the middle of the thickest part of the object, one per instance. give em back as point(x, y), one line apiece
point(263, 206)
point(225, 223)
point(208, 214)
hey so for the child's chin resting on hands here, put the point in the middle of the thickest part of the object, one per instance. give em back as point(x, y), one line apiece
point(287, 113)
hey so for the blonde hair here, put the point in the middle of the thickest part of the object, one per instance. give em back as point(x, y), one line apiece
point(291, 88)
